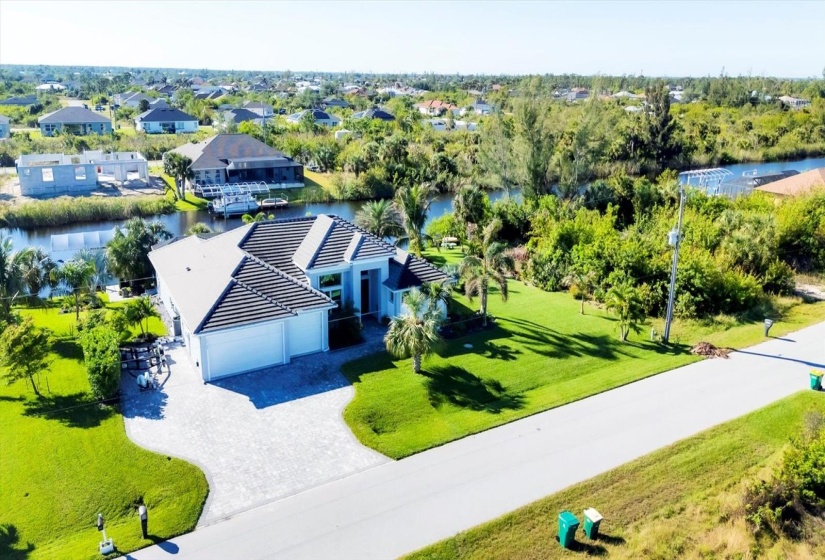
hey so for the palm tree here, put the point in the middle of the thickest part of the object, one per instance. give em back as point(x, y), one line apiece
point(11, 283)
point(415, 333)
point(582, 282)
point(97, 259)
point(471, 205)
point(623, 300)
point(492, 264)
point(178, 167)
point(437, 293)
point(380, 218)
point(139, 311)
point(128, 251)
point(76, 276)
point(413, 203)
point(35, 266)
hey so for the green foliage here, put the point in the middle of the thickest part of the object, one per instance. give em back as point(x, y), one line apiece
point(179, 168)
point(102, 356)
point(414, 334)
point(623, 300)
point(413, 204)
point(73, 210)
point(138, 311)
point(444, 226)
point(487, 268)
point(128, 251)
point(380, 218)
point(24, 351)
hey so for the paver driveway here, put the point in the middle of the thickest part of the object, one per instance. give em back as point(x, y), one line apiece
point(258, 436)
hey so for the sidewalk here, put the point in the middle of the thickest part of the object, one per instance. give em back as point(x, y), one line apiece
point(399, 507)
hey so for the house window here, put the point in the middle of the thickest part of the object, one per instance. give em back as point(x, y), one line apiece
point(392, 296)
point(330, 284)
point(80, 173)
point(48, 175)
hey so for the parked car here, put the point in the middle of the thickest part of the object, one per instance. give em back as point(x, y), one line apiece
point(98, 108)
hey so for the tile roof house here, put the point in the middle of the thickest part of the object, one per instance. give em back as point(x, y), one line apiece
point(75, 120)
point(238, 116)
point(436, 108)
point(165, 120)
point(261, 109)
point(21, 101)
point(795, 185)
point(374, 113)
point(319, 117)
point(131, 99)
point(238, 158)
point(259, 295)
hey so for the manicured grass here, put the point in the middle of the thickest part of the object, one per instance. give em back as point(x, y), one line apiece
point(65, 458)
point(541, 353)
point(683, 501)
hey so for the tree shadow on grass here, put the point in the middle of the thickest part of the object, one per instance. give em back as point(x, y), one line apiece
point(68, 350)
point(457, 386)
point(10, 547)
point(75, 411)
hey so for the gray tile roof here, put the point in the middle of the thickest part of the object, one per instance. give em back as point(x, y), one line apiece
point(218, 151)
point(240, 115)
point(255, 273)
point(72, 115)
point(408, 271)
point(163, 114)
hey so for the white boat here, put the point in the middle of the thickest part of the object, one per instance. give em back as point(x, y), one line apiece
point(234, 204)
point(269, 203)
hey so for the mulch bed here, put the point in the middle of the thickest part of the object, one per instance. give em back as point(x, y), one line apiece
point(709, 350)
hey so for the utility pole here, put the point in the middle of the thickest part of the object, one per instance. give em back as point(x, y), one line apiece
point(674, 240)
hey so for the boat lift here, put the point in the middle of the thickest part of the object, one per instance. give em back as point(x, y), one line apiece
point(218, 191)
point(710, 181)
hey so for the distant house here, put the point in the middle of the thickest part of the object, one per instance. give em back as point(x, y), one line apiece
point(260, 109)
point(50, 86)
point(436, 108)
point(794, 102)
point(131, 99)
point(237, 116)
point(440, 125)
point(164, 89)
point(796, 184)
point(5, 127)
point(158, 104)
point(209, 94)
point(320, 117)
point(24, 101)
point(626, 95)
point(334, 102)
point(374, 113)
point(74, 120)
point(479, 107)
point(577, 93)
point(171, 121)
point(238, 158)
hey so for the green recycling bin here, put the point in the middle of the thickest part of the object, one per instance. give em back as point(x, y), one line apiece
point(592, 520)
point(567, 529)
point(816, 380)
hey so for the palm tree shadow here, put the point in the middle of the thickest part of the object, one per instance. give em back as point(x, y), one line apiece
point(457, 386)
point(10, 544)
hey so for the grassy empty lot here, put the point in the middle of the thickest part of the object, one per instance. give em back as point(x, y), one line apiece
point(683, 501)
point(541, 354)
point(65, 458)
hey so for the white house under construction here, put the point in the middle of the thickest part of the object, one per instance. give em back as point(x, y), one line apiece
point(57, 174)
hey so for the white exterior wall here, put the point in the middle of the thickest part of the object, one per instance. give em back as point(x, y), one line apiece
point(237, 350)
point(307, 333)
point(155, 127)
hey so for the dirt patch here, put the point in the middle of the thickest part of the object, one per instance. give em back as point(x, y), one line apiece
point(709, 350)
point(10, 189)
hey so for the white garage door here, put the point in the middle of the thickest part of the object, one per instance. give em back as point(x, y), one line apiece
point(305, 334)
point(243, 350)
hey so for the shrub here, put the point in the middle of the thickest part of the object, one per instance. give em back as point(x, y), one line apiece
point(72, 210)
point(102, 355)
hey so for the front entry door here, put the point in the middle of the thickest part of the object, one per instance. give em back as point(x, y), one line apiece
point(365, 296)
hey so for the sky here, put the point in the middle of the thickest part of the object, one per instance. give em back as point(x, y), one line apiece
point(655, 38)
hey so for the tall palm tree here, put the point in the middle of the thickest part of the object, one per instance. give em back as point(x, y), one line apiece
point(75, 275)
point(489, 267)
point(413, 204)
point(128, 251)
point(11, 284)
point(35, 267)
point(582, 282)
point(471, 205)
point(178, 167)
point(380, 218)
point(623, 300)
point(100, 265)
point(415, 333)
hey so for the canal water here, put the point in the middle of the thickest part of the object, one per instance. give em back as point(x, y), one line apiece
point(178, 223)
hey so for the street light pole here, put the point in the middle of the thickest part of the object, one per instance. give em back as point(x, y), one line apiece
point(675, 240)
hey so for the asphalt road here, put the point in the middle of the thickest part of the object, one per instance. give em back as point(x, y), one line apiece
point(399, 507)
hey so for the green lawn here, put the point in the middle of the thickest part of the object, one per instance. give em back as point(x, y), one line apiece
point(683, 501)
point(541, 354)
point(65, 458)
